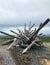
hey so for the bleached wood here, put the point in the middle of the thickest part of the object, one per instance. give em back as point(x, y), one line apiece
point(12, 43)
point(29, 46)
point(25, 36)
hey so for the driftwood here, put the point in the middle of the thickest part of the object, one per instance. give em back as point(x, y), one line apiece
point(9, 35)
point(35, 35)
point(13, 43)
point(25, 50)
point(31, 27)
point(25, 36)
point(7, 42)
point(14, 32)
point(26, 39)
point(25, 28)
point(36, 32)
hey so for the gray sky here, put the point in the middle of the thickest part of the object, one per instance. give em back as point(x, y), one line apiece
point(17, 12)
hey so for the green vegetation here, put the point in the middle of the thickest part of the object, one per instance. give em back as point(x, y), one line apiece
point(4, 38)
point(45, 39)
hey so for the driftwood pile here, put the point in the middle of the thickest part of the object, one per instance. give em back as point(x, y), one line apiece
point(26, 38)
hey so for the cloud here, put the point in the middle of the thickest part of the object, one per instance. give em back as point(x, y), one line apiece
point(17, 12)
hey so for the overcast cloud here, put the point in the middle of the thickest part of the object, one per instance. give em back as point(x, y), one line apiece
point(17, 12)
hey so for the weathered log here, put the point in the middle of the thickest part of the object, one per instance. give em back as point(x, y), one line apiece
point(31, 27)
point(19, 31)
point(25, 50)
point(25, 36)
point(12, 44)
point(25, 28)
point(22, 34)
point(9, 35)
point(36, 32)
point(14, 32)
point(8, 42)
